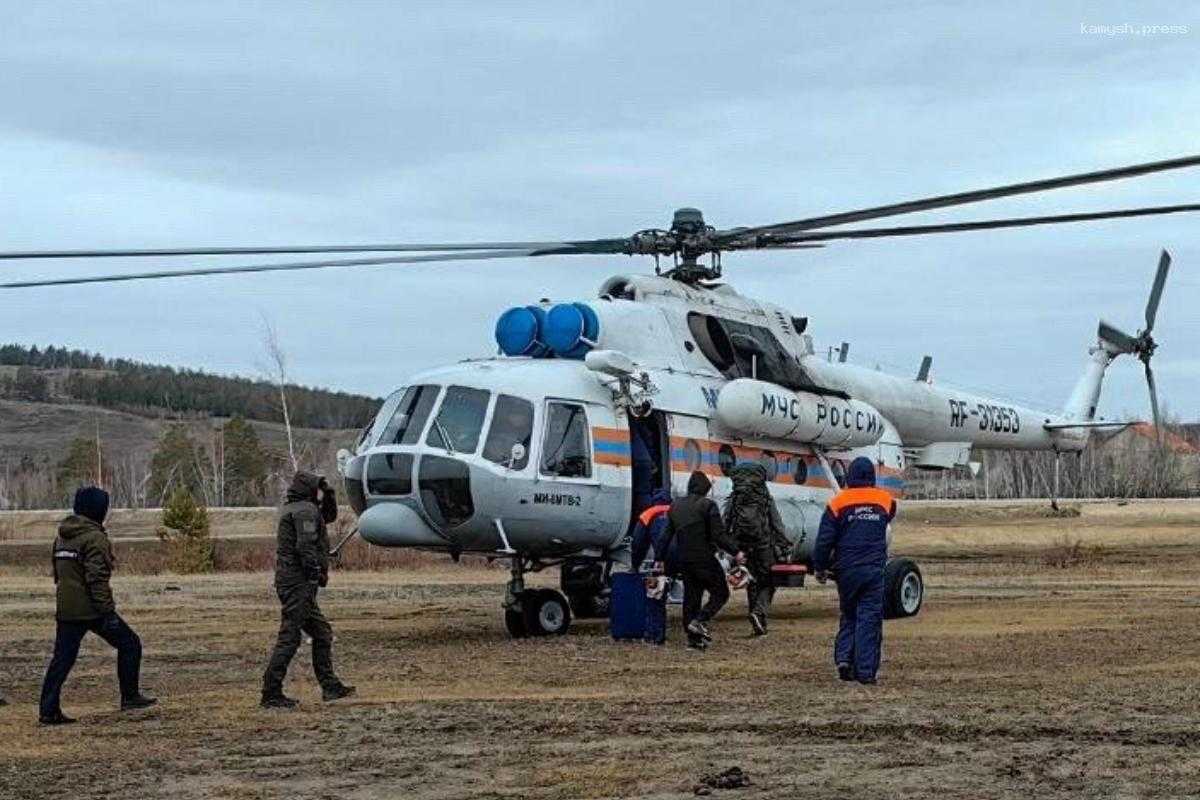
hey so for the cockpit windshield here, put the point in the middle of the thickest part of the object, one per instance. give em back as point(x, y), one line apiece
point(409, 416)
point(459, 421)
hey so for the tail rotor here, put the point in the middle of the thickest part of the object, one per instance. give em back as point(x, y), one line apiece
point(1117, 342)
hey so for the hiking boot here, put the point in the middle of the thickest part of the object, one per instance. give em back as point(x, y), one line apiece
point(337, 692)
point(137, 701)
point(845, 672)
point(759, 623)
point(278, 701)
point(698, 628)
point(57, 718)
point(867, 681)
point(698, 644)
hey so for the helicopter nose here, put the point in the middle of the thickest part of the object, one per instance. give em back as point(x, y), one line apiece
point(397, 525)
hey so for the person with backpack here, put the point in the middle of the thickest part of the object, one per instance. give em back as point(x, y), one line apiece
point(753, 521)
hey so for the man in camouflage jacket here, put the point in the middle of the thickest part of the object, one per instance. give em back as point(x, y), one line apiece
point(753, 521)
point(301, 569)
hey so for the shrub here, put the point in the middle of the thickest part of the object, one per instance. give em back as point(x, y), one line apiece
point(185, 531)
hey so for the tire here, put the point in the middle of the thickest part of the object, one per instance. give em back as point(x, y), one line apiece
point(903, 589)
point(514, 620)
point(547, 612)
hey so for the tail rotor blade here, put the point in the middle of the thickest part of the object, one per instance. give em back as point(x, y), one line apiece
point(1122, 341)
point(1153, 401)
point(1160, 279)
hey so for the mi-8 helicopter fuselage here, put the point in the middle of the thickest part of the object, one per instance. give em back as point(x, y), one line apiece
point(533, 455)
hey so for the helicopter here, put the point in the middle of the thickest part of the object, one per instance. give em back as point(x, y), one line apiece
point(544, 453)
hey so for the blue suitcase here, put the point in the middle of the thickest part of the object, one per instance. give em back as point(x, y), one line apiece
point(627, 608)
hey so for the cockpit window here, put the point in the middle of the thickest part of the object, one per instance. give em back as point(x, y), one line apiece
point(372, 432)
point(740, 350)
point(512, 424)
point(409, 417)
point(566, 450)
point(459, 421)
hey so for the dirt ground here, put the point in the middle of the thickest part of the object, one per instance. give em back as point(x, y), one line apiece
point(1056, 657)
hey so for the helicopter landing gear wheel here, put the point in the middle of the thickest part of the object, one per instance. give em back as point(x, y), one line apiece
point(546, 612)
point(903, 589)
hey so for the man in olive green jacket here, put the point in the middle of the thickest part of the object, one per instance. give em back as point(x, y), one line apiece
point(83, 562)
point(301, 569)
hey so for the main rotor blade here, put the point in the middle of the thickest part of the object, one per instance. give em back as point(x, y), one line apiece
point(1117, 337)
point(341, 248)
point(963, 198)
point(1160, 279)
point(980, 225)
point(355, 262)
point(1153, 401)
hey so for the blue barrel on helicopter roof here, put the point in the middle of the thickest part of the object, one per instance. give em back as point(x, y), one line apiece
point(520, 331)
point(571, 330)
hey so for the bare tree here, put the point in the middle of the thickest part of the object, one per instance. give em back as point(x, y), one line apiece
point(277, 361)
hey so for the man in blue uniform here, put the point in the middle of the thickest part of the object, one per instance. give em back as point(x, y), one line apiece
point(649, 535)
point(853, 542)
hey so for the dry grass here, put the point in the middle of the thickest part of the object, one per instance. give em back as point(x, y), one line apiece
point(1019, 679)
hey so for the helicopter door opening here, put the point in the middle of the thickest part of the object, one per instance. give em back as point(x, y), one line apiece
point(650, 449)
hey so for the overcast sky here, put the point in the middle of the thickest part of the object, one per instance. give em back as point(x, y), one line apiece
point(249, 123)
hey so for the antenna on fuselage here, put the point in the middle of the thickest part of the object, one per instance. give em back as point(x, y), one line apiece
point(923, 372)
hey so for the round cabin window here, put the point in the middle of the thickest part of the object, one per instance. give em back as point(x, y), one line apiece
point(726, 459)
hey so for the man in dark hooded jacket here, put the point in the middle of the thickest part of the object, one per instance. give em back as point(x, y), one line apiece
point(695, 521)
point(82, 562)
point(754, 523)
point(301, 568)
point(853, 542)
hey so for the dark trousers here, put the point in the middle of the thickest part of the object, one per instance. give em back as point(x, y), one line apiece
point(68, 638)
point(860, 631)
point(760, 591)
point(300, 615)
point(700, 577)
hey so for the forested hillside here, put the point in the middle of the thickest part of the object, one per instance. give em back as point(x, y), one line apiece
point(56, 374)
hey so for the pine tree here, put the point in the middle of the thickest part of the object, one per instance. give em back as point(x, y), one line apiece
point(245, 464)
point(174, 465)
point(79, 467)
point(185, 530)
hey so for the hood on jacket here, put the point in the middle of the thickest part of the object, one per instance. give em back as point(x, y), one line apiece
point(862, 473)
point(91, 502)
point(660, 497)
point(75, 525)
point(699, 483)
point(304, 487)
